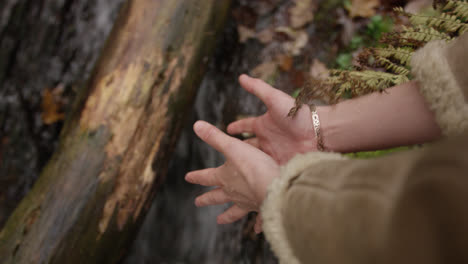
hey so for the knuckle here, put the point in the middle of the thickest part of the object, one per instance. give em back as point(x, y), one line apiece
point(229, 215)
point(209, 132)
point(227, 144)
point(255, 127)
point(258, 81)
point(211, 198)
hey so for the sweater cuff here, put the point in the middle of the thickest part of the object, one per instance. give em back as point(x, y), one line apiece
point(438, 85)
point(275, 203)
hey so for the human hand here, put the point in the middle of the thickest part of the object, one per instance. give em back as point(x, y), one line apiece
point(243, 179)
point(278, 135)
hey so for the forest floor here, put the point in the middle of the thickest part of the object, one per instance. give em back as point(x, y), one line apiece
point(304, 39)
point(296, 40)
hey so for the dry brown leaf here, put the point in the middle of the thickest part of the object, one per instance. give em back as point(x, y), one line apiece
point(291, 33)
point(363, 8)
point(265, 71)
point(266, 36)
point(300, 39)
point(245, 33)
point(301, 13)
point(416, 6)
point(297, 78)
point(318, 70)
point(51, 105)
point(285, 62)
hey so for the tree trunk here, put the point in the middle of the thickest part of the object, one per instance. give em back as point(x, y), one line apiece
point(44, 45)
point(93, 194)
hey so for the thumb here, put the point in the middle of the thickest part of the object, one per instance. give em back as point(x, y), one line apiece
point(267, 94)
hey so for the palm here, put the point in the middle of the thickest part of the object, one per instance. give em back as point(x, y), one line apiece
point(276, 134)
point(243, 179)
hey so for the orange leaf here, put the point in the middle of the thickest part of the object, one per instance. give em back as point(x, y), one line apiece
point(285, 62)
point(245, 33)
point(50, 108)
point(301, 13)
point(363, 8)
point(318, 70)
point(265, 71)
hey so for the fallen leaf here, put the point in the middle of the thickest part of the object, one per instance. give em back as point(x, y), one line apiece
point(363, 8)
point(266, 36)
point(285, 62)
point(301, 13)
point(265, 71)
point(297, 78)
point(299, 39)
point(291, 33)
point(264, 7)
point(51, 105)
point(245, 15)
point(318, 70)
point(416, 6)
point(245, 33)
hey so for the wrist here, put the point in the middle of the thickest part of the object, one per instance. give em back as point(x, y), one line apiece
point(331, 125)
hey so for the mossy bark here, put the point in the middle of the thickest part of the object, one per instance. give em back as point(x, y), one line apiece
point(115, 147)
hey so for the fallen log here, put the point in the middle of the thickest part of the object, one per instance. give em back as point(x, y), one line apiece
point(115, 146)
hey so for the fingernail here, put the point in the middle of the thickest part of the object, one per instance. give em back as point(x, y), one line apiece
point(188, 177)
point(197, 126)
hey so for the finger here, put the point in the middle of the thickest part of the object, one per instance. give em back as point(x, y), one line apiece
point(231, 215)
point(253, 142)
point(206, 177)
point(258, 224)
point(267, 94)
point(242, 126)
point(213, 197)
point(214, 137)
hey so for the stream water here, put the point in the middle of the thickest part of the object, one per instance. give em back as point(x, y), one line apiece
point(175, 231)
point(63, 38)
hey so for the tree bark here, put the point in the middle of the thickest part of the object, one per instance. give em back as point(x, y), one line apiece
point(44, 45)
point(114, 149)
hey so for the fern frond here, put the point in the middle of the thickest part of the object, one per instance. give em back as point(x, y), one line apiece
point(393, 67)
point(458, 8)
point(441, 22)
point(379, 78)
point(400, 11)
point(424, 34)
point(403, 55)
point(463, 29)
point(447, 22)
point(364, 82)
point(395, 56)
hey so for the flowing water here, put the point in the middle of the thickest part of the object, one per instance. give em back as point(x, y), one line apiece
point(175, 231)
point(63, 38)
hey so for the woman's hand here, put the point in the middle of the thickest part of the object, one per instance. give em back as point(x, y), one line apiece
point(278, 135)
point(243, 179)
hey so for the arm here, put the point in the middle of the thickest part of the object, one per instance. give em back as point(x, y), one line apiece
point(412, 113)
point(397, 117)
point(403, 208)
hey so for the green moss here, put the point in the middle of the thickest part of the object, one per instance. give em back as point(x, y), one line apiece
point(375, 154)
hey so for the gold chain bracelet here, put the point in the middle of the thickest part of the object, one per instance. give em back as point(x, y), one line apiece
point(316, 123)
